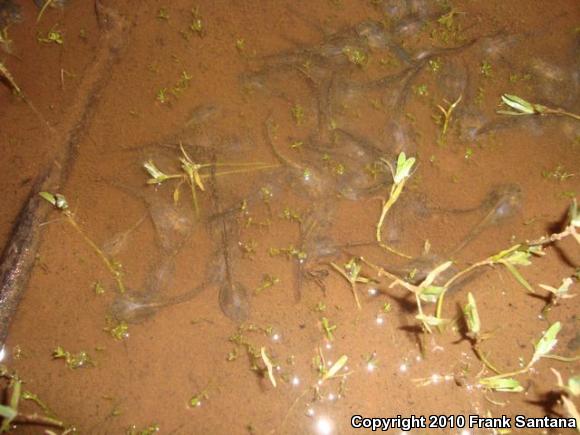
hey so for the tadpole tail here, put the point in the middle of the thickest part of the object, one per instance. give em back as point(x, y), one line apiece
point(19, 255)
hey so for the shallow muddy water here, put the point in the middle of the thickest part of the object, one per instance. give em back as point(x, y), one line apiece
point(276, 127)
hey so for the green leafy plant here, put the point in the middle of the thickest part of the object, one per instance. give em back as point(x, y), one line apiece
point(521, 107)
point(60, 203)
point(400, 174)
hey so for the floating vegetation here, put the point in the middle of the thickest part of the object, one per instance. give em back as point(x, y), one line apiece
point(194, 174)
point(268, 281)
point(53, 36)
point(60, 203)
point(73, 361)
point(521, 107)
point(447, 114)
point(400, 175)
point(353, 106)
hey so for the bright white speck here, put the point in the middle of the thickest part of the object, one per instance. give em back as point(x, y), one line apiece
point(435, 378)
point(310, 412)
point(276, 337)
point(372, 291)
point(403, 368)
point(418, 358)
point(323, 426)
point(331, 397)
point(328, 345)
point(379, 320)
point(295, 381)
point(371, 367)
point(2, 353)
point(465, 432)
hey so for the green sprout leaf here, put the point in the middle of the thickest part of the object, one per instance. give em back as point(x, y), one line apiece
point(546, 343)
point(563, 291)
point(403, 169)
point(520, 106)
point(431, 293)
point(472, 316)
point(336, 367)
point(157, 176)
point(56, 199)
point(507, 385)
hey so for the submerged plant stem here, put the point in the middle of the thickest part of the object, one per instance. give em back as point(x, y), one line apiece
point(110, 265)
point(395, 192)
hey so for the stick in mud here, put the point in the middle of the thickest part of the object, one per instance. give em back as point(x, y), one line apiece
point(19, 255)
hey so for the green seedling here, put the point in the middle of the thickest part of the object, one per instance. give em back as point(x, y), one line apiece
point(505, 385)
point(521, 107)
point(542, 349)
point(198, 398)
point(119, 331)
point(240, 45)
point(448, 29)
point(567, 392)
point(53, 36)
point(486, 69)
point(356, 56)
point(421, 90)
point(268, 281)
point(328, 328)
point(447, 112)
point(196, 25)
point(557, 294)
point(336, 367)
point(192, 174)
point(435, 65)
point(400, 175)
point(248, 248)
point(98, 288)
point(162, 96)
point(426, 291)
point(473, 323)
point(351, 272)
point(73, 361)
point(10, 414)
point(290, 252)
point(559, 173)
point(291, 215)
point(61, 204)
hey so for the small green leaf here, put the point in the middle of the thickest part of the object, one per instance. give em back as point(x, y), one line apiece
point(520, 105)
point(471, 315)
point(403, 169)
point(8, 413)
point(507, 385)
point(547, 342)
point(339, 364)
point(431, 293)
point(48, 197)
